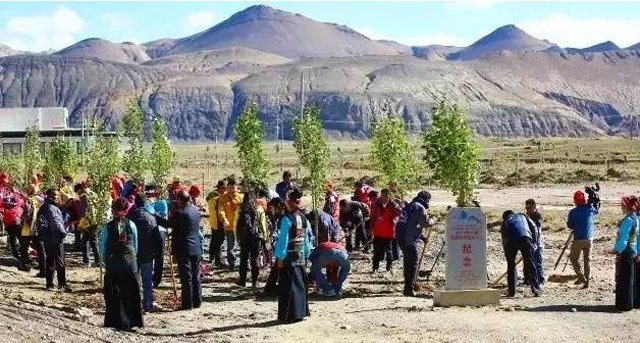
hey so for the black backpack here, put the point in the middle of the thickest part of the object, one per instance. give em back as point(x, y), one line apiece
point(248, 224)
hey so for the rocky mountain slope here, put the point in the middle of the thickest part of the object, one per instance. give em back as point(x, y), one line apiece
point(524, 94)
point(290, 35)
point(505, 38)
point(126, 52)
point(511, 83)
point(6, 50)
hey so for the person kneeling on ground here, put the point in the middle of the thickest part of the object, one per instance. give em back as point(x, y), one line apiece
point(330, 256)
point(625, 251)
point(517, 236)
point(118, 249)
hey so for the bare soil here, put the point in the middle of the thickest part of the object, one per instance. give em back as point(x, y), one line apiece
point(371, 308)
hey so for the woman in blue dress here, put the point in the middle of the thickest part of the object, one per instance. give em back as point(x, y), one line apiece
point(292, 251)
point(625, 251)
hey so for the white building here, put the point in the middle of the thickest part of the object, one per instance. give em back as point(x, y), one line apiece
point(51, 122)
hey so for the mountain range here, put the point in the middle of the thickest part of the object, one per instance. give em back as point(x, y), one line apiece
point(513, 84)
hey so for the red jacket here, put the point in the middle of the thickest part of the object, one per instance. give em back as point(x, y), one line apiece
point(363, 196)
point(12, 209)
point(383, 219)
point(332, 205)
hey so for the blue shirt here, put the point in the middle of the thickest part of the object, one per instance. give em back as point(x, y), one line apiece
point(625, 232)
point(580, 221)
point(104, 235)
point(280, 251)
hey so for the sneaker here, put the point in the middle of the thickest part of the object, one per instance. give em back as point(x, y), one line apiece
point(65, 289)
point(586, 285)
point(580, 280)
point(49, 287)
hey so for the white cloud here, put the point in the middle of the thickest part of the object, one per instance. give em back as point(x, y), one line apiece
point(568, 31)
point(200, 20)
point(440, 38)
point(117, 21)
point(43, 32)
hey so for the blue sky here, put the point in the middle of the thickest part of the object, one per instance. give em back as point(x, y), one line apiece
point(38, 26)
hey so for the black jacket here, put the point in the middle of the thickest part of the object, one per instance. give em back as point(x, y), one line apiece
point(50, 224)
point(185, 236)
point(149, 240)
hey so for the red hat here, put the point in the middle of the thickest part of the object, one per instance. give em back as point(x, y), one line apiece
point(194, 191)
point(579, 198)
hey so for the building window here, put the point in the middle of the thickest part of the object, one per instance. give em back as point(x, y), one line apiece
point(11, 148)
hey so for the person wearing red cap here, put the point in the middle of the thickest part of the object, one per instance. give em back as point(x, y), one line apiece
point(121, 288)
point(581, 223)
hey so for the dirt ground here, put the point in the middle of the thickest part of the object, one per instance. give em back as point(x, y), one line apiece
point(371, 308)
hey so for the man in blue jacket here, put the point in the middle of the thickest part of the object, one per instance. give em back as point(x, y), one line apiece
point(580, 222)
point(413, 220)
point(149, 242)
point(186, 246)
point(517, 236)
point(51, 229)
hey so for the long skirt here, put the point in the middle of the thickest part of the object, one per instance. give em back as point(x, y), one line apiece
point(624, 282)
point(292, 294)
point(122, 300)
point(636, 301)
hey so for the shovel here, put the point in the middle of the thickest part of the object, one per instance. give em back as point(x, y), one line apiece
point(428, 273)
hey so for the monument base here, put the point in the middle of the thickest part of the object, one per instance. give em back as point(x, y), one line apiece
point(481, 297)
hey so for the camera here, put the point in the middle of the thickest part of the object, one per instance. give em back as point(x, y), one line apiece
point(594, 197)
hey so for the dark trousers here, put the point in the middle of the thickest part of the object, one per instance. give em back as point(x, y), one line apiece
point(78, 238)
point(525, 247)
point(89, 241)
point(190, 281)
point(359, 236)
point(215, 247)
point(271, 286)
point(158, 260)
point(37, 244)
point(382, 250)
point(249, 251)
point(636, 300)
point(625, 291)
point(410, 263)
point(55, 262)
point(13, 232)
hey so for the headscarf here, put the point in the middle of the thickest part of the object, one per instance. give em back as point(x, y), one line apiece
point(120, 207)
point(630, 203)
point(194, 191)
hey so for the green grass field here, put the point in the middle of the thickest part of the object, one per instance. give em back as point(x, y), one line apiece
point(514, 162)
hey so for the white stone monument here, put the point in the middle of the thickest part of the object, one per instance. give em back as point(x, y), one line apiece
point(466, 271)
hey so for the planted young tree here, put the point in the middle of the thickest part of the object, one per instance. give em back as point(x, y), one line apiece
point(131, 127)
point(60, 160)
point(32, 155)
point(392, 154)
point(313, 151)
point(452, 153)
point(13, 165)
point(104, 162)
point(249, 136)
point(162, 157)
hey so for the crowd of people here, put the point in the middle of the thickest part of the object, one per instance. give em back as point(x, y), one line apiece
point(272, 230)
